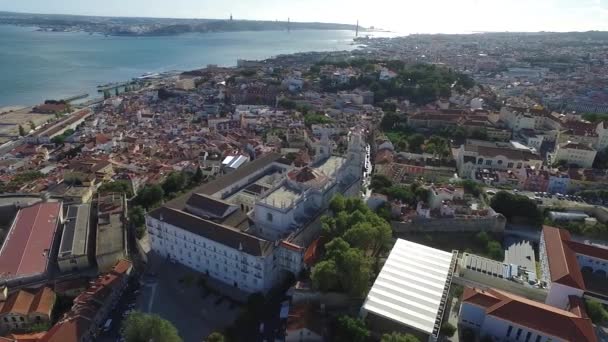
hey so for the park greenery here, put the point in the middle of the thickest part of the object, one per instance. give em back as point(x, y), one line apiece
point(60, 139)
point(142, 327)
point(594, 196)
point(174, 185)
point(472, 187)
point(137, 217)
point(118, 186)
point(595, 117)
point(597, 230)
point(356, 237)
point(409, 194)
point(419, 83)
point(314, 119)
point(405, 139)
point(492, 248)
point(596, 311)
point(517, 208)
point(347, 328)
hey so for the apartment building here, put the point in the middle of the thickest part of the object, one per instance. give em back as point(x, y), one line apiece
point(571, 268)
point(503, 316)
point(475, 154)
point(578, 154)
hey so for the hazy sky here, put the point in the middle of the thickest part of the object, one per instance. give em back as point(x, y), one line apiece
point(404, 16)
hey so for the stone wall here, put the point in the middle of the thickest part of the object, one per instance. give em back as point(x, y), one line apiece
point(490, 224)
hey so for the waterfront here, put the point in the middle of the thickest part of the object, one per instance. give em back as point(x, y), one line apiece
point(42, 65)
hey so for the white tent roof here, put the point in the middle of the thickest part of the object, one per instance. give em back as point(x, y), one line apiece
point(410, 286)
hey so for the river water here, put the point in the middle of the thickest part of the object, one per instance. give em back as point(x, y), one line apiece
point(46, 65)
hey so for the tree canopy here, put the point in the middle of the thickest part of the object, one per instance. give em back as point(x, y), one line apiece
point(356, 234)
point(119, 186)
point(397, 337)
point(516, 206)
point(142, 327)
point(150, 195)
point(350, 329)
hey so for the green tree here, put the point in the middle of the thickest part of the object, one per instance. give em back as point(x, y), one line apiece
point(402, 193)
point(516, 206)
point(116, 91)
point(596, 311)
point(58, 140)
point(380, 182)
point(447, 329)
point(197, 178)
point(355, 272)
point(106, 94)
point(32, 125)
point(142, 327)
point(324, 276)
point(175, 182)
point(350, 329)
point(215, 337)
point(118, 186)
point(397, 337)
point(479, 134)
point(495, 251)
point(137, 217)
point(415, 143)
point(338, 203)
point(21, 131)
point(482, 238)
point(150, 195)
point(287, 104)
point(472, 187)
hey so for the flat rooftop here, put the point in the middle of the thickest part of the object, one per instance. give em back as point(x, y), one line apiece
point(282, 197)
point(331, 165)
point(28, 243)
point(75, 232)
point(411, 286)
point(110, 229)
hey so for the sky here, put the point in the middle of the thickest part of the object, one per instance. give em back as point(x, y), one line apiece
point(402, 16)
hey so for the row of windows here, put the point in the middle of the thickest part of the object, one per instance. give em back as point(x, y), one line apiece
point(518, 335)
point(172, 244)
point(14, 319)
point(194, 242)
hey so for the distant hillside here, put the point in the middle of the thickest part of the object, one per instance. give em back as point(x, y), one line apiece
point(154, 26)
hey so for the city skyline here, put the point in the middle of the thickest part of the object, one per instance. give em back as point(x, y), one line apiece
point(433, 16)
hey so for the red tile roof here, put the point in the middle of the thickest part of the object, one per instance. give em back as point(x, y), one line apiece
point(563, 266)
point(29, 241)
point(25, 302)
point(561, 255)
point(571, 325)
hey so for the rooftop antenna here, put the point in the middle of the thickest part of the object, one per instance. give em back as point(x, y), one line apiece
point(357, 29)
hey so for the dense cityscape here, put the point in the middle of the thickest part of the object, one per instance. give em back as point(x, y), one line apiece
point(418, 188)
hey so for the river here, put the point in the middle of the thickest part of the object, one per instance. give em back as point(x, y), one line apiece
point(35, 66)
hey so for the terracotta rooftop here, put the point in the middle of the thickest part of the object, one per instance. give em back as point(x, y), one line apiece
point(25, 302)
point(573, 325)
point(563, 266)
point(29, 241)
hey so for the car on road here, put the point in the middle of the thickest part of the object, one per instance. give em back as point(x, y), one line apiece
point(107, 325)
